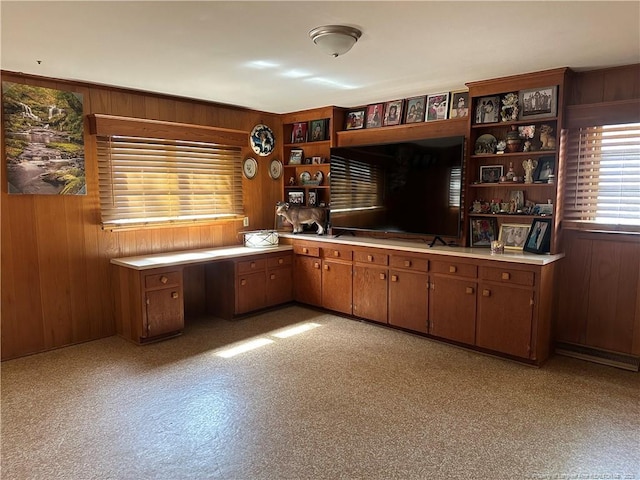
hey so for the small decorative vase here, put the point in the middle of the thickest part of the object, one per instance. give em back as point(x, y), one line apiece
point(513, 140)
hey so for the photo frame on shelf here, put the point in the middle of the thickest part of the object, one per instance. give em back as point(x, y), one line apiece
point(414, 111)
point(514, 235)
point(392, 113)
point(318, 130)
point(295, 197)
point(375, 115)
point(299, 132)
point(459, 104)
point(295, 157)
point(544, 168)
point(488, 109)
point(539, 237)
point(538, 102)
point(482, 231)
point(355, 119)
point(317, 160)
point(312, 198)
point(437, 106)
point(491, 173)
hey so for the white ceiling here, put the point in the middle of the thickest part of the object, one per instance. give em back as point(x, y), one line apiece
point(259, 55)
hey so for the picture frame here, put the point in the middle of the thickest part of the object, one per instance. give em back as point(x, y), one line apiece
point(375, 115)
point(538, 102)
point(437, 106)
point(312, 198)
point(295, 197)
point(355, 119)
point(491, 173)
point(516, 197)
point(318, 130)
point(317, 160)
point(543, 209)
point(414, 111)
point(459, 105)
point(539, 237)
point(299, 132)
point(514, 235)
point(392, 113)
point(545, 167)
point(482, 231)
point(295, 157)
point(488, 109)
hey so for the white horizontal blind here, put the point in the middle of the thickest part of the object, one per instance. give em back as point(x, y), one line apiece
point(603, 175)
point(355, 184)
point(150, 181)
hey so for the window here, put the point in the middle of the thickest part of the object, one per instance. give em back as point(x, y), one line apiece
point(151, 182)
point(603, 177)
point(355, 185)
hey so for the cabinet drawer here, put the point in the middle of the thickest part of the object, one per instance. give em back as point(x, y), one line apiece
point(372, 257)
point(252, 265)
point(506, 275)
point(279, 261)
point(409, 263)
point(306, 250)
point(164, 279)
point(341, 253)
point(455, 268)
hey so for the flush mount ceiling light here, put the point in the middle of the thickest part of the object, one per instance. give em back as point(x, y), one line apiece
point(335, 40)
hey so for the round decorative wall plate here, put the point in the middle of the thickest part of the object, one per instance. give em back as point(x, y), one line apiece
point(262, 140)
point(250, 167)
point(275, 169)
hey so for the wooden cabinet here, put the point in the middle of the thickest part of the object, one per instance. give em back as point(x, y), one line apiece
point(307, 274)
point(370, 285)
point(408, 292)
point(337, 288)
point(452, 304)
point(149, 304)
point(279, 280)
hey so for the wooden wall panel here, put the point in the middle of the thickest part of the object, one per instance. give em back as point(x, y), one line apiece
point(605, 85)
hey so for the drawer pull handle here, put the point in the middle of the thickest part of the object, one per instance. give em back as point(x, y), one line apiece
point(280, 261)
point(370, 258)
point(164, 279)
point(407, 263)
point(243, 282)
point(453, 269)
point(506, 275)
point(394, 278)
point(272, 276)
point(336, 253)
point(305, 250)
point(383, 276)
point(316, 265)
point(469, 290)
point(174, 294)
point(486, 293)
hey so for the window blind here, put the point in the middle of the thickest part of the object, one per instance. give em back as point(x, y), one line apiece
point(355, 184)
point(151, 182)
point(603, 176)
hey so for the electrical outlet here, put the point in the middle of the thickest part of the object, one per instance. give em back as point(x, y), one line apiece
point(245, 222)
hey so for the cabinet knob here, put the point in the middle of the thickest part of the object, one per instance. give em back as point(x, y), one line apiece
point(243, 282)
point(370, 258)
point(453, 269)
point(486, 293)
point(280, 261)
point(174, 294)
point(407, 263)
point(253, 264)
point(506, 275)
point(272, 276)
point(326, 267)
point(336, 253)
point(164, 279)
point(469, 290)
point(305, 250)
point(316, 265)
point(383, 276)
point(394, 278)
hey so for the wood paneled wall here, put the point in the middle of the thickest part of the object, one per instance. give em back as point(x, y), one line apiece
point(56, 283)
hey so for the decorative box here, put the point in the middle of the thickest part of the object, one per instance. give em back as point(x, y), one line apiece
point(261, 238)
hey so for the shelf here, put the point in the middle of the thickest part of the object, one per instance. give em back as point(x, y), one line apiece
point(514, 122)
point(303, 144)
point(514, 154)
point(512, 185)
point(294, 187)
point(307, 165)
point(509, 215)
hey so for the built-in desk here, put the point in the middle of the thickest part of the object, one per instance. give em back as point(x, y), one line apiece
point(149, 296)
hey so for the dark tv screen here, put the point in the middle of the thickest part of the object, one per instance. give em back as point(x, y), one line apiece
point(410, 187)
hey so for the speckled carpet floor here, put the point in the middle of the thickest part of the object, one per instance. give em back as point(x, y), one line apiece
point(342, 400)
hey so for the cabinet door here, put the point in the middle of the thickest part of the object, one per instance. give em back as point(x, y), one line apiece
point(408, 300)
point(336, 286)
point(452, 312)
point(165, 312)
point(279, 286)
point(370, 293)
point(307, 286)
point(251, 292)
point(504, 319)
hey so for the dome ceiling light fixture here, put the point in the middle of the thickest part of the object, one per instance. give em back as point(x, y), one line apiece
point(335, 40)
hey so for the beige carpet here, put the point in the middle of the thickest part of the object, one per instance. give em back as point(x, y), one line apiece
point(343, 400)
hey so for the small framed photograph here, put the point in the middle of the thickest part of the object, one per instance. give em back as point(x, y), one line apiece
point(375, 115)
point(316, 160)
point(482, 231)
point(539, 238)
point(318, 129)
point(415, 109)
point(295, 157)
point(437, 106)
point(296, 197)
point(355, 119)
point(543, 209)
point(299, 132)
point(459, 104)
point(514, 235)
point(516, 201)
point(392, 113)
point(312, 198)
point(491, 173)
point(538, 102)
point(544, 169)
point(488, 109)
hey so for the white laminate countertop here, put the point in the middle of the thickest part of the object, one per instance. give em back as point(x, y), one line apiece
point(421, 247)
point(188, 257)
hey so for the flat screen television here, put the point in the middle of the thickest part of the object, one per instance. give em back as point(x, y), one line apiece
point(408, 188)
